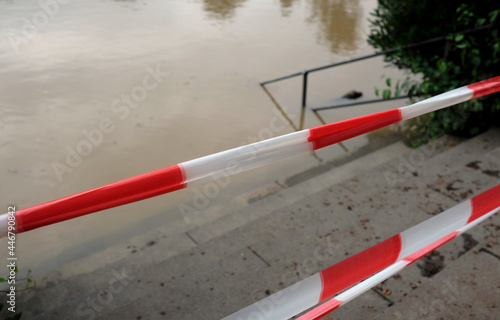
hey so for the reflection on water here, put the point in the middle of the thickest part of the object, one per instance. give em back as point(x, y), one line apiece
point(287, 3)
point(286, 7)
point(338, 21)
point(132, 4)
point(222, 9)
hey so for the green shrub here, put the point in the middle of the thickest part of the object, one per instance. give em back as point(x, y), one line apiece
point(459, 59)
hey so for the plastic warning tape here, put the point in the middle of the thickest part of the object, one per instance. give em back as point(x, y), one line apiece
point(232, 161)
point(374, 264)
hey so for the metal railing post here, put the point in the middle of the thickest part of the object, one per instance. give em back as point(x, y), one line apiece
point(304, 89)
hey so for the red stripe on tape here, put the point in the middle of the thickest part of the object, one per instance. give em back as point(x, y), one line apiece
point(331, 133)
point(111, 195)
point(359, 267)
point(485, 87)
point(485, 202)
point(322, 310)
point(425, 250)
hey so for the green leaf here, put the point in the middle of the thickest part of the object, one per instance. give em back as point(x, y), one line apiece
point(406, 83)
point(459, 37)
point(496, 48)
point(397, 93)
point(442, 66)
point(388, 82)
point(494, 15)
point(476, 61)
point(376, 92)
point(2, 280)
point(480, 22)
point(386, 94)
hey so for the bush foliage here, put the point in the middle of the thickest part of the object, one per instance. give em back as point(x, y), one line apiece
point(469, 52)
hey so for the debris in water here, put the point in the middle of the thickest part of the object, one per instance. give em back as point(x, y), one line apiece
point(353, 94)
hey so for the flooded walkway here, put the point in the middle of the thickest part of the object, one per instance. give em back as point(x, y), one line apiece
point(97, 91)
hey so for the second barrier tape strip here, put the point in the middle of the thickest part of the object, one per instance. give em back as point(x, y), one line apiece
point(483, 208)
point(389, 256)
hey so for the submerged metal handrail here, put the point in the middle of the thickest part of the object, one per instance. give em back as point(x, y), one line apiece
point(358, 103)
point(305, 73)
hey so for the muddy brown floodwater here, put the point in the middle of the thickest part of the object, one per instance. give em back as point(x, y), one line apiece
point(135, 86)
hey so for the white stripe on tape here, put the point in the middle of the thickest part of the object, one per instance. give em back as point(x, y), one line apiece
point(437, 102)
point(246, 157)
point(433, 229)
point(285, 303)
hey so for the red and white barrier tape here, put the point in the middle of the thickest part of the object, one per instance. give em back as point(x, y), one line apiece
point(386, 258)
point(232, 161)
